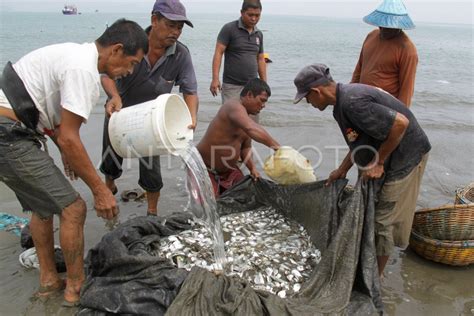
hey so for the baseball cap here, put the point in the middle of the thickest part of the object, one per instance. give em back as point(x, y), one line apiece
point(172, 10)
point(309, 77)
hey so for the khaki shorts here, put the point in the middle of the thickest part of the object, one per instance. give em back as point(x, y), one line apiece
point(230, 91)
point(395, 209)
point(30, 172)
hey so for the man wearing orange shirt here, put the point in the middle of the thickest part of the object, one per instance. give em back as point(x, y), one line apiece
point(388, 58)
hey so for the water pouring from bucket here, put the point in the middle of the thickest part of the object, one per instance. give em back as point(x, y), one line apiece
point(202, 203)
point(156, 127)
point(160, 127)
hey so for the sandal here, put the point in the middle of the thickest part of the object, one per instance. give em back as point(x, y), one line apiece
point(49, 290)
point(70, 304)
point(133, 194)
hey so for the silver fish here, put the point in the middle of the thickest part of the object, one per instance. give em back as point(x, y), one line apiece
point(263, 247)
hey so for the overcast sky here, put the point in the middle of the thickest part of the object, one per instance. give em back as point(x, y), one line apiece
point(420, 10)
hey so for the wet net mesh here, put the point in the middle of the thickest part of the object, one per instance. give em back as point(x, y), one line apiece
point(123, 276)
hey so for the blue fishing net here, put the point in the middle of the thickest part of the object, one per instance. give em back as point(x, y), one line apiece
point(12, 223)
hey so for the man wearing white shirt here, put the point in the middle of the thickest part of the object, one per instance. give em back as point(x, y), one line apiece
point(51, 91)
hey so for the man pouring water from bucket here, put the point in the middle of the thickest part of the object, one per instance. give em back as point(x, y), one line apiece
point(167, 63)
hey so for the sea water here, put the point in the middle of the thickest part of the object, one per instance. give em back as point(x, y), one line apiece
point(443, 97)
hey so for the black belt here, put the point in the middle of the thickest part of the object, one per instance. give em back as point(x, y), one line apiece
point(18, 97)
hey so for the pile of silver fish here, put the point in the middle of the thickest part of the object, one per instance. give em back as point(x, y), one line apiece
point(262, 247)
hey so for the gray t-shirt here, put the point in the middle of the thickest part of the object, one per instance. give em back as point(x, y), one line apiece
point(241, 54)
point(146, 83)
point(365, 115)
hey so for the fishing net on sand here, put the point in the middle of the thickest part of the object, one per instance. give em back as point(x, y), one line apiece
point(124, 276)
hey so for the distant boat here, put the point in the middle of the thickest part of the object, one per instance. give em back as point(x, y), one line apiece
point(69, 10)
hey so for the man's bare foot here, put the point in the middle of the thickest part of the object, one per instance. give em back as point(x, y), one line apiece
point(72, 291)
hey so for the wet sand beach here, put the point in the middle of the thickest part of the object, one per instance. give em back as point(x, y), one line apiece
point(411, 286)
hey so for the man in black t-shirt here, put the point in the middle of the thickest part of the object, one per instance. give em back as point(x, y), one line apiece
point(385, 141)
point(241, 42)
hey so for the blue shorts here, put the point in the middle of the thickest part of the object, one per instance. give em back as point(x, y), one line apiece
point(30, 172)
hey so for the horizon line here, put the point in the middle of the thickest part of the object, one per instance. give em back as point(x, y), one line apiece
point(228, 13)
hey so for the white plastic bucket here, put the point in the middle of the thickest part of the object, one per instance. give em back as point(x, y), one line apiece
point(156, 127)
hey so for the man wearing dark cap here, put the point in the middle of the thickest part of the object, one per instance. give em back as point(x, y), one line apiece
point(385, 142)
point(242, 44)
point(388, 58)
point(168, 63)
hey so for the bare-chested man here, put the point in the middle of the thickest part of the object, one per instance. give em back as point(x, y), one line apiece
point(229, 135)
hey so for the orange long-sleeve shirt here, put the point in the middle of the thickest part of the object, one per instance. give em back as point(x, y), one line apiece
point(388, 64)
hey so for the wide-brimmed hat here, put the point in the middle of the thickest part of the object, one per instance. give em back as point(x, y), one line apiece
point(172, 10)
point(390, 14)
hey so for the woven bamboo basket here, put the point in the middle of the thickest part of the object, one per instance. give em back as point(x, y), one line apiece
point(465, 195)
point(448, 222)
point(455, 253)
